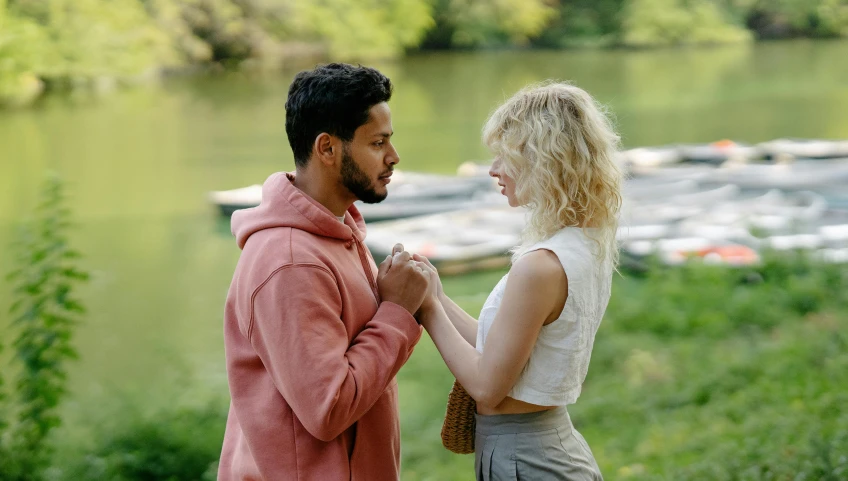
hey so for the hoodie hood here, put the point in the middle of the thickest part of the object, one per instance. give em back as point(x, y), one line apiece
point(284, 205)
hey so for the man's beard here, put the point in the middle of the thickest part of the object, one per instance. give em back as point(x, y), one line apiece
point(357, 181)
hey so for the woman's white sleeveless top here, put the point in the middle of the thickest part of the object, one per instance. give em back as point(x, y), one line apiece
point(557, 367)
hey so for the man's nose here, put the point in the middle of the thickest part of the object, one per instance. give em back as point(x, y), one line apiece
point(392, 157)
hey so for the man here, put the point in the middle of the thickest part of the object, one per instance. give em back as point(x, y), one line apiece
point(314, 332)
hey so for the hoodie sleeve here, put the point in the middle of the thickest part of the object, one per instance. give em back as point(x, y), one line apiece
point(298, 333)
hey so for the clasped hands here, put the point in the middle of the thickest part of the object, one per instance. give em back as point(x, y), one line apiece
point(410, 281)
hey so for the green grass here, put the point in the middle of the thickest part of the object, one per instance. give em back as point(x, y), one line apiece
point(697, 373)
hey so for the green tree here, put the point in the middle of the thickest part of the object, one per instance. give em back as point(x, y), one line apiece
point(362, 28)
point(475, 23)
point(23, 51)
point(649, 23)
point(794, 18)
point(833, 16)
point(99, 43)
point(583, 22)
point(73, 43)
point(228, 31)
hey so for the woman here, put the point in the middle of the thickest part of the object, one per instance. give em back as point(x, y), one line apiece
point(525, 359)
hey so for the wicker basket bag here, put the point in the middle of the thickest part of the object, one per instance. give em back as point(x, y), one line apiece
point(458, 428)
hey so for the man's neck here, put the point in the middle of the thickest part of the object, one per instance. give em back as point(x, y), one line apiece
point(323, 190)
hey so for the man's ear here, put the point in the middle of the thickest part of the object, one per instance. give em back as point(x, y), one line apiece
point(327, 149)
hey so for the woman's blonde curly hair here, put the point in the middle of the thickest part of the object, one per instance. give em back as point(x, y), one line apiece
point(559, 146)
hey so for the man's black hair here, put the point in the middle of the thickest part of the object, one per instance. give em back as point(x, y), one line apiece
point(335, 98)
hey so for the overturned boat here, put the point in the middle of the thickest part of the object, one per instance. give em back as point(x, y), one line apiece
point(410, 194)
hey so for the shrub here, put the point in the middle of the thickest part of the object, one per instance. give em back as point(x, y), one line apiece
point(44, 314)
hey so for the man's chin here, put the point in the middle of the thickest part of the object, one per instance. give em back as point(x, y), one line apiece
point(374, 197)
point(374, 200)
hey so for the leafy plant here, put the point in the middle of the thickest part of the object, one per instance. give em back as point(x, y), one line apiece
point(44, 314)
point(183, 445)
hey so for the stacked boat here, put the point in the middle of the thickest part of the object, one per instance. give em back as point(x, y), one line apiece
point(723, 203)
point(725, 225)
point(411, 194)
point(779, 151)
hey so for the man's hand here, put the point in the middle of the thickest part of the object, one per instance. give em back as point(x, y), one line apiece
point(402, 280)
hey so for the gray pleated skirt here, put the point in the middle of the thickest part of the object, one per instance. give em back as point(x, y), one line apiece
point(535, 446)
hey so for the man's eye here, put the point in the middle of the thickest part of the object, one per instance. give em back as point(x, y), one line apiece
point(379, 143)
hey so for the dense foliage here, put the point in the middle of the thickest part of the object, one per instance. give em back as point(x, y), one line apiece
point(96, 44)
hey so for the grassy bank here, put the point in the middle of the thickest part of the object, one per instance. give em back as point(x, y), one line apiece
point(697, 373)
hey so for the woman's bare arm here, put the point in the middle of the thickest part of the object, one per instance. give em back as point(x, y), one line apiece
point(536, 287)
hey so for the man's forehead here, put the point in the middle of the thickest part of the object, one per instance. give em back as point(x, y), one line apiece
point(379, 120)
point(380, 113)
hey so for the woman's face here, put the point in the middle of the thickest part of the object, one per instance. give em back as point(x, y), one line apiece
point(505, 182)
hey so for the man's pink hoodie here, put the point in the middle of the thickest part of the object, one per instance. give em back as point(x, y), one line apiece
point(311, 351)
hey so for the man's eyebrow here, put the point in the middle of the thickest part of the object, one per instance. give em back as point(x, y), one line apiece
point(385, 135)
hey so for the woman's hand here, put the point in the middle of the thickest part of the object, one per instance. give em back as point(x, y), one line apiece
point(435, 281)
point(432, 299)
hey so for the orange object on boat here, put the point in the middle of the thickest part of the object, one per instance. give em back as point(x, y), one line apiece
point(730, 254)
point(724, 144)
